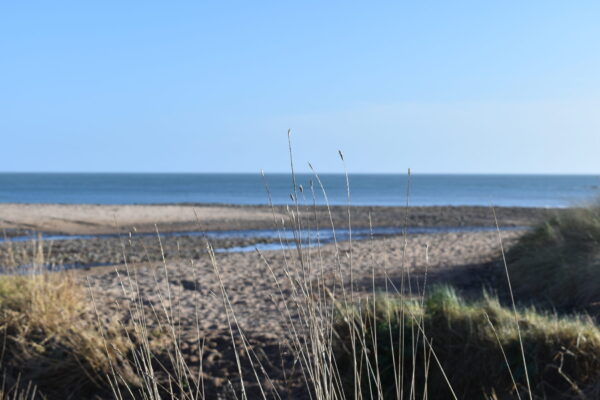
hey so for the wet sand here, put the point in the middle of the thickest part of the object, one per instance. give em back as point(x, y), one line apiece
point(128, 223)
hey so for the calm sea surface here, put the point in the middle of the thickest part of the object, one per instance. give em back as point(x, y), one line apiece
point(366, 189)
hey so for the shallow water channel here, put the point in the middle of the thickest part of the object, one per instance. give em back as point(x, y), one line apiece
point(233, 240)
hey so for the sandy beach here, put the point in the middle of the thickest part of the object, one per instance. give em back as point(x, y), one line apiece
point(104, 219)
point(251, 285)
point(465, 260)
point(257, 283)
point(84, 235)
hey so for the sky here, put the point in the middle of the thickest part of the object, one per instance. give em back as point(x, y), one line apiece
point(190, 86)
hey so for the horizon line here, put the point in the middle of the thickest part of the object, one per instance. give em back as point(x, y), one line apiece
point(289, 173)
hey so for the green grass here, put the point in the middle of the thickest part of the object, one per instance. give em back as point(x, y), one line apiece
point(466, 341)
point(559, 261)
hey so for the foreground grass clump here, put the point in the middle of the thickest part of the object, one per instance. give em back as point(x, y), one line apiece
point(51, 339)
point(559, 261)
point(476, 345)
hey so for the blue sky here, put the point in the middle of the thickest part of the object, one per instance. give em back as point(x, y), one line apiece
point(453, 87)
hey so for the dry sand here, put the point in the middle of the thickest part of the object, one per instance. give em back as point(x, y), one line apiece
point(252, 289)
point(102, 219)
point(465, 260)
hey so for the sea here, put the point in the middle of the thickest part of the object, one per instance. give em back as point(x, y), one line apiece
point(364, 189)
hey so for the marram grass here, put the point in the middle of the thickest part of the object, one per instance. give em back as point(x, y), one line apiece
point(406, 345)
point(50, 338)
point(558, 262)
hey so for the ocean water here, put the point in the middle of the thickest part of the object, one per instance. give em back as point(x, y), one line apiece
point(365, 189)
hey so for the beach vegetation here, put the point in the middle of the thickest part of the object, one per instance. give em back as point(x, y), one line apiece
point(444, 347)
point(50, 339)
point(558, 262)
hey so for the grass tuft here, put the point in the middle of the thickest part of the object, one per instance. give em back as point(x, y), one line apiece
point(51, 339)
point(475, 344)
point(559, 261)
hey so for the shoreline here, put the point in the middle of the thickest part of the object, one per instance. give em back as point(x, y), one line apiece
point(85, 235)
point(89, 219)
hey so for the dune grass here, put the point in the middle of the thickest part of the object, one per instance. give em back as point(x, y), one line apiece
point(51, 341)
point(397, 347)
point(476, 345)
point(559, 261)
